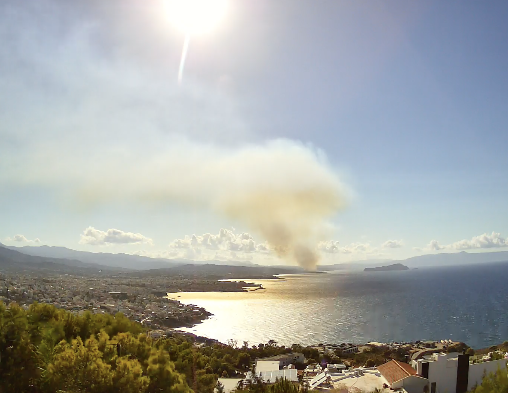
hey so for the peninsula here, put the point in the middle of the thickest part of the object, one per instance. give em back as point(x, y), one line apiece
point(389, 268)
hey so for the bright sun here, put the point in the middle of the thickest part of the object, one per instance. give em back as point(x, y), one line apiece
point(195, 17)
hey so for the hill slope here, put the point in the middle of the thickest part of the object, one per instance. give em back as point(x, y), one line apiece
point(13, 260)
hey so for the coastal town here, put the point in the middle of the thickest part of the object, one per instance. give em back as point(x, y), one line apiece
point(145, 302)
point(433, 367)
point(407, 367)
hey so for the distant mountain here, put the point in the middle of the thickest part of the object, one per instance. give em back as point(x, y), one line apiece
point(428, 260)
point(14, 261)
point(357, 265)
point(458, 258)
point(389, 268)
point(127, 261)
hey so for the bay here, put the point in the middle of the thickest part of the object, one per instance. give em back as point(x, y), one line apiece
point(462, 303)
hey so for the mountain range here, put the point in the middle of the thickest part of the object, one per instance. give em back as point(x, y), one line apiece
point(31, 257)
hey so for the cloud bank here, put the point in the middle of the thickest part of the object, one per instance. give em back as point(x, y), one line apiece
point(225, 240)
point(96, 237)
point(393, 244)
point(493, 240)
point(484, 241)
point(22, 239)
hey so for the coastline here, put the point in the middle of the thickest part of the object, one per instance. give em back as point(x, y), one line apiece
point(342, 313)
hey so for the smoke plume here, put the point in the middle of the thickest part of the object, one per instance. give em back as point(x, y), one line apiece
point(281, 190)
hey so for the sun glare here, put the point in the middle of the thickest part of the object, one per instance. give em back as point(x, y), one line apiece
point(195, 17)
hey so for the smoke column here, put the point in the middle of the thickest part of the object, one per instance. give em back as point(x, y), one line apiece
point(283, 191)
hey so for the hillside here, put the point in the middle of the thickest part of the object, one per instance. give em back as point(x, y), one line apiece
point(127, 261)
point(11, 260)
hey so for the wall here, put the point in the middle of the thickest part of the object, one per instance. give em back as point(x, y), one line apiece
point(476, 371)
point(412, 384)
point(444, 373)
point(267, 365)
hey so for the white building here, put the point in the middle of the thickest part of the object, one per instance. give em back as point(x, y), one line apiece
point(400, 375)
point(229, 384)
point(291, 374)
point(453, 372)
point(279, 362)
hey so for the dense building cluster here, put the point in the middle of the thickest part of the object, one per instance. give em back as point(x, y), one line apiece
point(140, 301)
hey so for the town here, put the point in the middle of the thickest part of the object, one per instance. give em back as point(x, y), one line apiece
point(142, 301)
point(433, 367)
point(417, 367)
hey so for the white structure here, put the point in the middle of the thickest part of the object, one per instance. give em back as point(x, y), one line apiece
point(336, 368)
point(267, 365)
point(229, 384)
point(319, 379)
point(363, 379)
point(291, 374)
point(400, 375)
point(453, 372)
point(279, 362)
point(477, 370)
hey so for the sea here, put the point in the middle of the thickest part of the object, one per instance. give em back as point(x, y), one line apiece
point(461, 303)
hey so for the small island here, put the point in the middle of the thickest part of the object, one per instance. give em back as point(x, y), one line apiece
point(389, 268)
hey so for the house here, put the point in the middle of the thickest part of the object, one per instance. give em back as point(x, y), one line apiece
point(336, 368)
point(278, 362)
point(291, 374)
point(454, 372)
point(400, 375)
point(359, 379)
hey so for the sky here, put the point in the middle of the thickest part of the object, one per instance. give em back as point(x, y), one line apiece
point(358, 130)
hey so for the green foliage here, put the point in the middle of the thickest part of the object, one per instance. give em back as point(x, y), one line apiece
point(370, 363)
point(45, 349)
point(493, 383)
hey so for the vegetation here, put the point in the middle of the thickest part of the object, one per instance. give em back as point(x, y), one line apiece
point(45, 349)
point(493, 383)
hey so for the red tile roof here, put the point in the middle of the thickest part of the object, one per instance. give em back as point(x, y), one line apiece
point(394, 371)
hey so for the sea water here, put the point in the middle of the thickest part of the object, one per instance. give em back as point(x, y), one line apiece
point(465, 303)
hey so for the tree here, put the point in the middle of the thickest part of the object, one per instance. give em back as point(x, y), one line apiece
point(163, 376)
point(243, 360)
point(78, 367)
point(493, 383)
point(370, 363)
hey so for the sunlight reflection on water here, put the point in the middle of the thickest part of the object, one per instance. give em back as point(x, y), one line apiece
point(360, 307)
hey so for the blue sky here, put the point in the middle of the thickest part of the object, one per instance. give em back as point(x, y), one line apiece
point(403, 103)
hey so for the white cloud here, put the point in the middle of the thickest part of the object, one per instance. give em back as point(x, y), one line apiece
point(225, 240)
point(485, 241)
point(226, 245)
point(22, 239)
point(493, 240)
point(358, 248)
point(393, 244)
point(330, 246)
point(434, 246)
point(96, 237)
